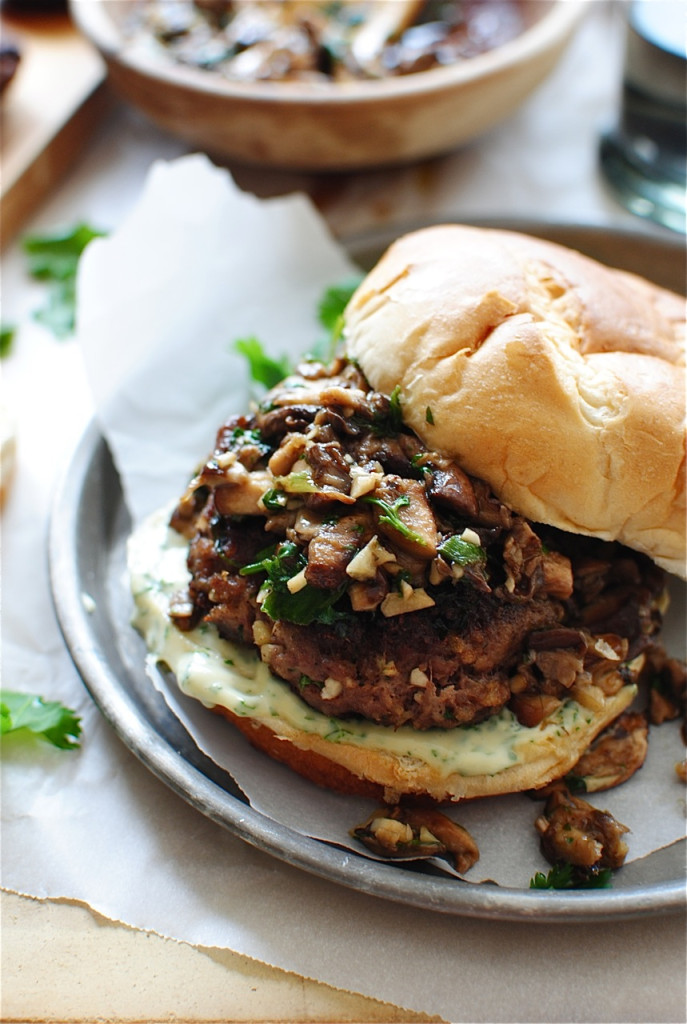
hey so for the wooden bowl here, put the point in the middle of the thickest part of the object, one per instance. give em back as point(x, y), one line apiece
point(330, 126)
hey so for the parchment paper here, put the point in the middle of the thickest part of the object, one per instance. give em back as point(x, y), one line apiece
point(199, 264)
point(96, 826)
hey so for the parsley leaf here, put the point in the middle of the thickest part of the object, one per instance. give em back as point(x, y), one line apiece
point(333, 303)
point(50, 720)
point(270, 372)
point(330, 313)
point(309, 604)
point(54, 258)
point(568, 876)
point(462, 552)
point(263, 368)
point(390, 516)
point(395, 411)
point(7, 335)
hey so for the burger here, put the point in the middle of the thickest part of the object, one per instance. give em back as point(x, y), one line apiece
point(436, 566)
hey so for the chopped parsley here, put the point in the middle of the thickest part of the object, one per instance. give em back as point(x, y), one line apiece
point(395, 413)
point(569, 876)
point(274, 500)
point(462, 552)
point(429, 416)
point(575, 783)
point(266, 370)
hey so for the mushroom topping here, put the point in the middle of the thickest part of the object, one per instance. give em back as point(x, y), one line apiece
point(385, 23)
point(573, 832)
point(328, 467)
point(321, 509)
point(616, 754)
point(404, 515)
point(668, 685)
point(319, 40)
point(532, 708)
point(414, 833)
point(241, 492)
point(450, 487)
point(330, 551)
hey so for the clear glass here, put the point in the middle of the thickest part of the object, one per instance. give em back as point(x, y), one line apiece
point(644, 157)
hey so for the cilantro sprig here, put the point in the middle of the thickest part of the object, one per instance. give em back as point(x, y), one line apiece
point(50, 720)
point(268, 371)
point(263, 368)
point(390, 516)
point(54, 258)
point(304, 606)
point(330, 313)
point(7, 335)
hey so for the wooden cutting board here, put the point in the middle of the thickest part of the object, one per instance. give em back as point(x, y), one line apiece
point(47, 112)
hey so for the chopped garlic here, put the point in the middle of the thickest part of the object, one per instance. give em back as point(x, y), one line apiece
point(332, 688)
point(363, 565)
point(363, 482)
point(261, 632)
point(225, 459)
point(471, 537)
point(418, 677)
point(297, 582)
point(397, 604)
point(603, 648)
point(391, 832)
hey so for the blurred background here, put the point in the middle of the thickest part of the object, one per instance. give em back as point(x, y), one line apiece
point(382, 112)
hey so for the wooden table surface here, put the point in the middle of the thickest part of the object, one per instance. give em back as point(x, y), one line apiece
point(61, 962)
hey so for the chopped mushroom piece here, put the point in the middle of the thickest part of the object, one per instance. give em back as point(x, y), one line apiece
point(574, 832)
point(668, 686)
point(320, 40)
point(415, 833)
point(616, 754)
point(405, 517)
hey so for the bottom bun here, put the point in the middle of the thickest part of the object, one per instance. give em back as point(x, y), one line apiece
point(382, 776)
point(496, 756)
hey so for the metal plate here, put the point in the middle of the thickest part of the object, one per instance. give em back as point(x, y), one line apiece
point(89, 528)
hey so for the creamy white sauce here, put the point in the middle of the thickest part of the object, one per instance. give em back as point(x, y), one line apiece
point(217, 672)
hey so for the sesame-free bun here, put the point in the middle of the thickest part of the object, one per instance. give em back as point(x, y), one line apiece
point(378, 773)
point(559, 381)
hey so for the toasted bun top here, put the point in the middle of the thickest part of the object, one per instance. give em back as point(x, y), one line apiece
point(557, 380)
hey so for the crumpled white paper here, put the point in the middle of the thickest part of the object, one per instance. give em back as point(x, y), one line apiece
point(199, 264)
